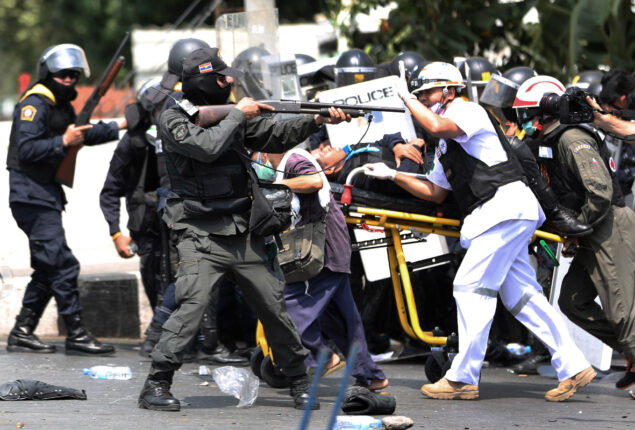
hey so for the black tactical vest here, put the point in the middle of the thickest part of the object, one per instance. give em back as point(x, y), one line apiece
point(219, 187)
point(474, 182)
point(570, 191)
point(60, 116)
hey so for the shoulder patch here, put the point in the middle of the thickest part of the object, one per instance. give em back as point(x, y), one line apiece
point(180, 132)
point(581, 147)
point(28, 113)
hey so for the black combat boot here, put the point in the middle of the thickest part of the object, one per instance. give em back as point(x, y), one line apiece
point(210, 349)
point(21, 337)
point(299, 390)
point(153, 334)
point(559, 218)
point(79, 341)
point(155, 394)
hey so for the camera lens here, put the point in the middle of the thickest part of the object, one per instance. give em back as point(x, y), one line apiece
point(550, 104)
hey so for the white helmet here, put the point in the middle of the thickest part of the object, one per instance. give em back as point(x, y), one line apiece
point(437, 74)
point(533, 89)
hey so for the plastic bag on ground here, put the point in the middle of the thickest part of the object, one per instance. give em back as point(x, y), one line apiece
point(239, 382)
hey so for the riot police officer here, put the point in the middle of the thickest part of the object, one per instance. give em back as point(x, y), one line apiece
point(171, 80)
point(208, 209)
point(43, 128)
point(582, 173)
point(134, 173)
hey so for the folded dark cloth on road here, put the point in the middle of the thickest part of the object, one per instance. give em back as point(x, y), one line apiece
point(28, 389)
point(362, 401)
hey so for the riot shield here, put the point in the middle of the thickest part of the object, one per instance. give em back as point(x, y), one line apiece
point(250, 42)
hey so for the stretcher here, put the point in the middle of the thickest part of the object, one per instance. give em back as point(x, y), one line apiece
point(401, 220)
point(405, 219)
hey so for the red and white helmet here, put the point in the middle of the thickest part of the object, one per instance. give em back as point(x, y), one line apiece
point(437, 74)
point(534, 89)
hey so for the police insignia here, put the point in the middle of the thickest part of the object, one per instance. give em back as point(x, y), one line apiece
point(28, 113)
point(443, 147)
point(612, 165)
point(580, 147)
point(180, 132)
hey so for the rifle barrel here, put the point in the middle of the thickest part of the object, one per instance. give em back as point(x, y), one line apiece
point(356, 107)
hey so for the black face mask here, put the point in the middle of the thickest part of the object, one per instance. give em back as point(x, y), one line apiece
point(204, 90)
point(63, 93)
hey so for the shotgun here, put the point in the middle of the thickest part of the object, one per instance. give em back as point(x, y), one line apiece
point(66, 171)
point(210, 115)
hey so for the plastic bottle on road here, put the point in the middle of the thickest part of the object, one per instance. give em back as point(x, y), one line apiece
point(109, 372)
point(358, 422)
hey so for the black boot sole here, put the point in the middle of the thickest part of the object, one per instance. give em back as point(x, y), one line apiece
point(15, 348)
point(89, 354)
point(169, 408)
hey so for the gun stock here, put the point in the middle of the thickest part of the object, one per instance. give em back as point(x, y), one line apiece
point(65, 173)
point(212, 115)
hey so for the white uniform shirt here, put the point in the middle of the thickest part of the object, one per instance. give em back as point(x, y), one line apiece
point(512, 201)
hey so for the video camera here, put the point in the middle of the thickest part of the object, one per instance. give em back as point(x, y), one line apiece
point(570, 107)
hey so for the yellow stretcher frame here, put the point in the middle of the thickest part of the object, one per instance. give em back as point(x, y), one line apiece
point(393, 222)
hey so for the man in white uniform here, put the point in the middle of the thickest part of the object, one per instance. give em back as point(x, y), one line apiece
point(500, 214)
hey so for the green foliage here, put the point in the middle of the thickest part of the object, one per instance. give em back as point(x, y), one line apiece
point(572, 35)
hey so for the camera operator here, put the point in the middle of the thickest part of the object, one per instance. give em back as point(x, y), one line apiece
point(582, 174)
point(612, 124)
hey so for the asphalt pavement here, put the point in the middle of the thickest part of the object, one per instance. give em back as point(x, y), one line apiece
point(507, 401)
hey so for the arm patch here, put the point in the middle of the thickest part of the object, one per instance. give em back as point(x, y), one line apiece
point(180, 132)
point(28, 113)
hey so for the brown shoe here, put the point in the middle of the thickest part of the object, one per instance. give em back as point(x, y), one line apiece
point(449, 390)
point(568, 387)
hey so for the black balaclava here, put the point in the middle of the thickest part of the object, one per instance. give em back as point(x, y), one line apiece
point(63, 93)
point(204, 90)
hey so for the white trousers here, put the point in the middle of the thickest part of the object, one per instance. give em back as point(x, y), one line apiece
point(497, 262)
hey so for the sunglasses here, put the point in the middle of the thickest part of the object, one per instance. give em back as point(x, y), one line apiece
point(63, 74)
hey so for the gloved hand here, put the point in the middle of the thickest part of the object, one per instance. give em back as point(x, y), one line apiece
point(402, 85)
point(379, 171)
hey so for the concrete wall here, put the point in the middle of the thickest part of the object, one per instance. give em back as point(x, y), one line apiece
point(86, 233)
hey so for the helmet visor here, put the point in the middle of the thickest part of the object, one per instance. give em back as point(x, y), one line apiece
point(499, 92)
point(66, 56)
point(353, 75)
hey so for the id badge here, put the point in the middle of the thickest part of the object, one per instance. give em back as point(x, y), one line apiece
point(545, 152)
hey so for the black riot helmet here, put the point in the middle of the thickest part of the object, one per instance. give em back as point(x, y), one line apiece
point(181, 49)
point(354, 66)
point(251, 84)
point(481, 70)
point(303, 59)
point(519, 74)
point(586, 78)
point(66, 56)
point(410, 61)
point(412, 76)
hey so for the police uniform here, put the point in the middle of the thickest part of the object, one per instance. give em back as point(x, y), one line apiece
point(580, 173)
point(500, 215)
point(209, 209)
point(134, 173)
point(37, 200)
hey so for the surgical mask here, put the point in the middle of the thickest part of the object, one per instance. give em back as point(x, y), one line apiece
point(266, 172)
point(436, 108)
point(529, 128)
